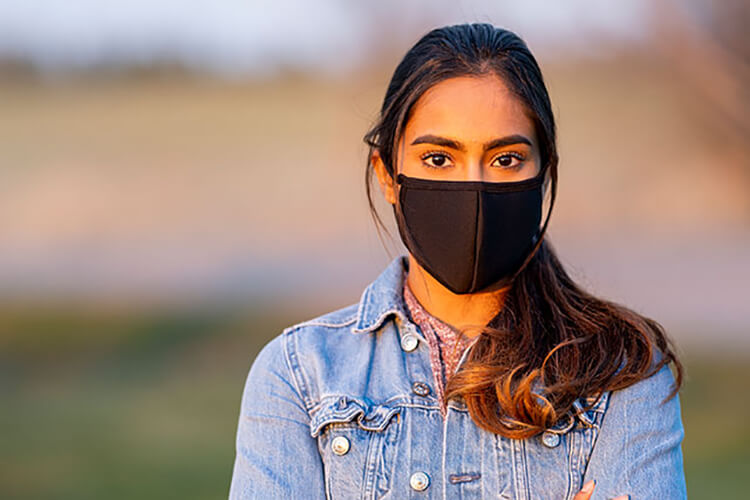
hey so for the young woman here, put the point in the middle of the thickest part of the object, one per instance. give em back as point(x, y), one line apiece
point(473, 367)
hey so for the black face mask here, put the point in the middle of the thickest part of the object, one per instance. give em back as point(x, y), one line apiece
point(471, 234)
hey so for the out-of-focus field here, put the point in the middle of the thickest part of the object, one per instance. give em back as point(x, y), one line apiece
point(120, 406)
point(173, 186)
point(155, 231)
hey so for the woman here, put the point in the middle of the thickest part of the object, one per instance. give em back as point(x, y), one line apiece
point(473, 367)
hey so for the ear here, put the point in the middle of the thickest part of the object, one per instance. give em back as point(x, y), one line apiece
point(384, 178)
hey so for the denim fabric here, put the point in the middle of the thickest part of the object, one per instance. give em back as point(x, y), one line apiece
point(346, 375)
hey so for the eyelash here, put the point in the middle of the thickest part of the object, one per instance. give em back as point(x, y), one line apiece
point(517, 156)
point(514, 154)
point(428, 154)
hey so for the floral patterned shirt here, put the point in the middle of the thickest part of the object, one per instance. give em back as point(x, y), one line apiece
point(446, 344)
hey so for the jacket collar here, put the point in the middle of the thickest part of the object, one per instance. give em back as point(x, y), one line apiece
point(383, 297)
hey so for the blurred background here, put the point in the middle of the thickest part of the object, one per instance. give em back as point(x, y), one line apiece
point(179, 181)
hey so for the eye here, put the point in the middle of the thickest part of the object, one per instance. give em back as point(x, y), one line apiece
point(436, 160)
point(510, 160)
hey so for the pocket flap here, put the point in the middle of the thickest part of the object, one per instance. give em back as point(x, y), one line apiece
point(344, 409)
point(595, 404)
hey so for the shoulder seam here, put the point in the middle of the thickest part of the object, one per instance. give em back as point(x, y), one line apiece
point(294, 368)
point(290, 355)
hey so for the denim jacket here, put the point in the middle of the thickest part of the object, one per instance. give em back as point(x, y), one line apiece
point(341, 407)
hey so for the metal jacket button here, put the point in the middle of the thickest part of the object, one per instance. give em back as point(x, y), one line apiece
point(409, 342)
point(419, 481)
point(420, 389)
point(550, 439)
point(340, 445)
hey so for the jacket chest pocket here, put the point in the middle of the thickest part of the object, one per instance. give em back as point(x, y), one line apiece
point(357, 443)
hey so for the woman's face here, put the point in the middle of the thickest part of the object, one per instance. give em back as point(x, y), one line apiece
point(465, 129)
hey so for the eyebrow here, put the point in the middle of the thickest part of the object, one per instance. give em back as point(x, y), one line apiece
point(453, 144)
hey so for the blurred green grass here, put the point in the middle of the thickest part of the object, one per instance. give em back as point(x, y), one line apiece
point(107, 404)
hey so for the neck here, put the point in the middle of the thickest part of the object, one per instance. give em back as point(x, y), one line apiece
point(458, 310)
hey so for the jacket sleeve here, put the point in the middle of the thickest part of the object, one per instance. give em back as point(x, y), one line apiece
point(276, 457)
point(638, 450)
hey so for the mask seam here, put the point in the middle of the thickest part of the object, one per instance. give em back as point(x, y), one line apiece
point(477, 246)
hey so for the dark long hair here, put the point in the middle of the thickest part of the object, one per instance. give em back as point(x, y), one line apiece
point(549, 331)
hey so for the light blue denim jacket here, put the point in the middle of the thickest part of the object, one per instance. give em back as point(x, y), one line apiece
point(341, 407)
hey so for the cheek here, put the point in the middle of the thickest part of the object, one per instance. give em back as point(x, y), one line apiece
point(411, 164)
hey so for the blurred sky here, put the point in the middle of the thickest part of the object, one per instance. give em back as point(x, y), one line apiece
point(254, 36)
point(244, 180)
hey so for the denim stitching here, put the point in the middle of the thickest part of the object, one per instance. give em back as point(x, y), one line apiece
point(296, 371)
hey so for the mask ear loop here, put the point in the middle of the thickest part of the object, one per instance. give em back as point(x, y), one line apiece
point(553, 184)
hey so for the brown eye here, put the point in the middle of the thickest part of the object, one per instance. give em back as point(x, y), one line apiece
point(505, 161)
point(509, 160)
point(436, 160)
point(439, 160)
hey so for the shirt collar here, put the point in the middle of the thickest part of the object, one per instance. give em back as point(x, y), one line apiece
point(383, 297)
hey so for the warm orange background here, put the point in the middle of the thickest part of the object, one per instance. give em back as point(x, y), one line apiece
point(158, 224)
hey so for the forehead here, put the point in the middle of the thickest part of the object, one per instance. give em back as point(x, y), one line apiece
point(469, 109)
